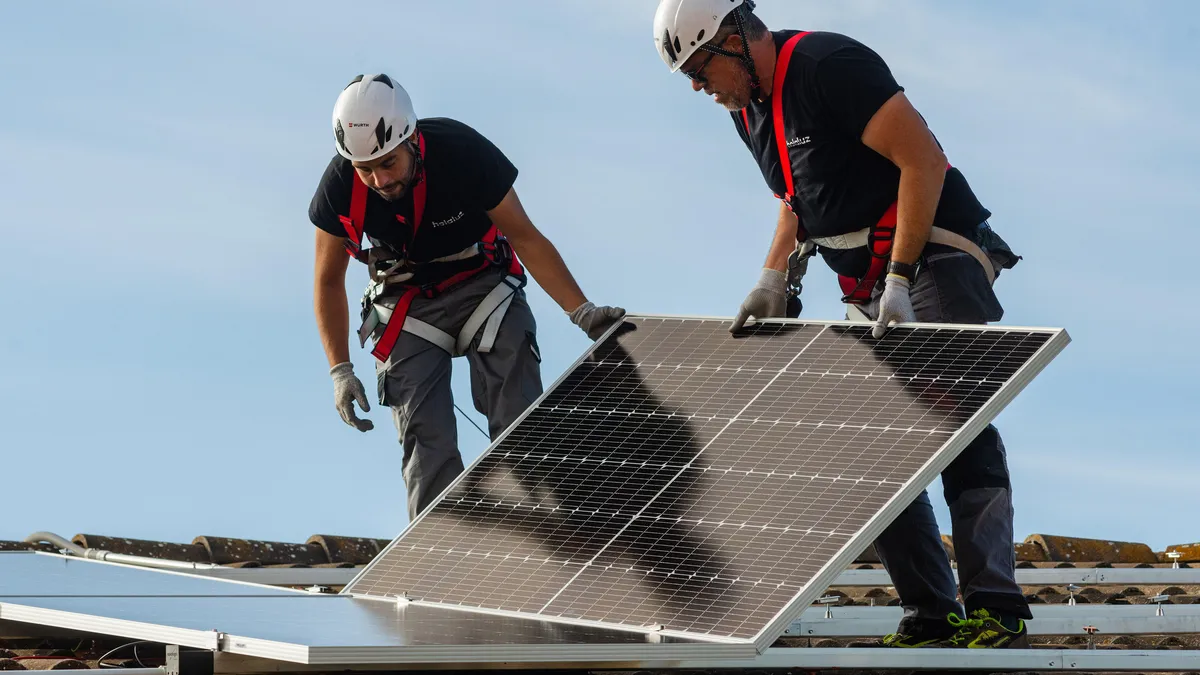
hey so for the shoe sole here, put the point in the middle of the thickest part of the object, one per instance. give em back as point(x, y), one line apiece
point(1020, 642)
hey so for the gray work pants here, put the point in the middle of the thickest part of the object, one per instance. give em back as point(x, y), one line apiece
point(952, 288)
point(415, 383)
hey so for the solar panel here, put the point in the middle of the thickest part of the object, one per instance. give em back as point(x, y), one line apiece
point(240, 618)
point(685, 481)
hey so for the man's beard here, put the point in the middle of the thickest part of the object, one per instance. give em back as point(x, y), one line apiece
point(738, 98)
point(396, 195)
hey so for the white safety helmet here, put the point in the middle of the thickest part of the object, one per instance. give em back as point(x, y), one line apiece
point(373, 115)
point(683, 26)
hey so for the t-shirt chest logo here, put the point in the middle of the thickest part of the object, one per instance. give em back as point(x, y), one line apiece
point(452, 219)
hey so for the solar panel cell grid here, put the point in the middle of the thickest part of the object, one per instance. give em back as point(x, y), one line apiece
point(684, 478)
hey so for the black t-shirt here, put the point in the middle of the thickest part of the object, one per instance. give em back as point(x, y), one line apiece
point(465, 174)
point(832, 88)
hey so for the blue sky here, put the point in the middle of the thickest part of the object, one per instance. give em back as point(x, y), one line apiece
point(161, 372)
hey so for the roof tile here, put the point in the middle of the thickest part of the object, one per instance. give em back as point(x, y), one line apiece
point(354, 550)
point(224, 550)
point(22, 546)
point(1071, 549)
point(1029, 552)
point(1188, 552)
point(143, 547)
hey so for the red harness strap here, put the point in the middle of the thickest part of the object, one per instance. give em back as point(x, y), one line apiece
point(879, 243)
point(354, 223)
point(882, 234)
point(785, 162)
point(391, 332)
point(395, 325)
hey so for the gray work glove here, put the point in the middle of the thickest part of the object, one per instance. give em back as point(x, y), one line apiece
point(894, 305)
point(346, 390)
point(595, 320)
point(767, 299)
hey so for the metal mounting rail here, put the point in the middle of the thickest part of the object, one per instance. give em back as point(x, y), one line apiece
point(1047, 620)
point(984, 660)
point(1056, 576)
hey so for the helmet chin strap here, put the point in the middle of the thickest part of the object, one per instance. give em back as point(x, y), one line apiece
point(756, 92)
point(416, 172)
point(747, 60)
point(418, 157)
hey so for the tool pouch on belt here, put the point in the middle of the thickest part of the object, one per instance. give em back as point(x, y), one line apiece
point(374, 297)
point(995, 248)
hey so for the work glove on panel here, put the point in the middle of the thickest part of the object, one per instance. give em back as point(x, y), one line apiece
point(595, 320)
point(895, 305)
point(767, 299)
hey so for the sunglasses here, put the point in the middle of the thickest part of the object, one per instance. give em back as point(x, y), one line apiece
point(696, 75)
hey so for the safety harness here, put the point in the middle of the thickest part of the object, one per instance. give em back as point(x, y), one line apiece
point(878, 238)
point(395, 277)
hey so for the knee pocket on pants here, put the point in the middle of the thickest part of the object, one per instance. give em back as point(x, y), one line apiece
point(381, 387)
point(531, 343)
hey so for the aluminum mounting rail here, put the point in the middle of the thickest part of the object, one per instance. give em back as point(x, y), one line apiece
point(984, 660)
point(1150, 619)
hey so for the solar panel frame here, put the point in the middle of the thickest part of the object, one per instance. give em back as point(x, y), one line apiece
point(857, 542)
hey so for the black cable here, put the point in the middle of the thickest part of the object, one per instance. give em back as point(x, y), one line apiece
point(485, 434)
point(114, 650)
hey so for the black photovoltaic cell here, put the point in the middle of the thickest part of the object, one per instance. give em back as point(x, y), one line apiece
point(684, 478)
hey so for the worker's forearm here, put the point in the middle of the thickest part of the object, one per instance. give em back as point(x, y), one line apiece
point(546, 266)
point(333, 321)
point(784, 242)
point(917, 201)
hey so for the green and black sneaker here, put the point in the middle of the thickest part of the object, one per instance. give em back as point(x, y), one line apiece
point(984, 629)
point(920, 633)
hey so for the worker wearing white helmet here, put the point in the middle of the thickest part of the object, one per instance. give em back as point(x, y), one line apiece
point(450, 244)
point(864, 183)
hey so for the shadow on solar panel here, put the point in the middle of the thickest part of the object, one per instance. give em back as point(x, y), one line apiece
point(681, 479)
point(570, 491)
